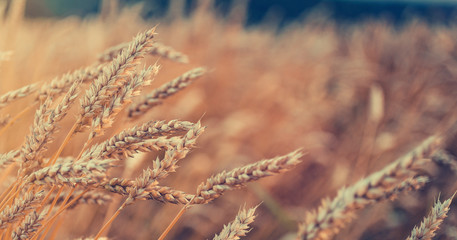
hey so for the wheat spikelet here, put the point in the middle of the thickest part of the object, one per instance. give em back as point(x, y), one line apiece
point(13, 213)
point(140, 139)
point(8, 158)
point(431, 223)
point(29, 225)
point(409, 184)
point(238, 227)
point(166, 90)
point(70, 173)
point(160, 193)
point(61, 85)
point(442, 157)
point(121, 98)
point(156, 49)
point(168, 52)
point(331, 216)
point(91, 197)
point(114, 74)
point(216, 185)
point(10, 96)
point(45, 125)
point(134, 135)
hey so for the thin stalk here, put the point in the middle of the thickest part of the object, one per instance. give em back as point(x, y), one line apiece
point(62, 146)
point(110, 220)
point(35, 236)
point(6, 173)
point(175, 220)
point(15, 118)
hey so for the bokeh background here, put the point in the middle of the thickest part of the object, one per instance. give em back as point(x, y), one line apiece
point(356, 84)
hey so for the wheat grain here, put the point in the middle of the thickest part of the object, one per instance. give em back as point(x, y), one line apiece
point(8, 158)
point(155, 192)
point(121, 98)
point(30, 224)
point(10, 96)
point(238, 227)
point(331, 216)
point(71, 173)
point(19, 208)
point(431, 223)
point(139, 139)
point(442, 157)
point(45, 125)
point(216, 185)
point(156, 49)
point(166, 90)
point(60, 85)
point(114, 74)
point(91, 197)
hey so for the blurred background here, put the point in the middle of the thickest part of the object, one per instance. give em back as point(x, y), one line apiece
point(283, 12)
point(354, 83)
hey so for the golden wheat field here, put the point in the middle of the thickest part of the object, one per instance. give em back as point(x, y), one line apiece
point(195, 127)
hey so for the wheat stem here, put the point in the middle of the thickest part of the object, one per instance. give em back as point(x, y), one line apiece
point(105, 226)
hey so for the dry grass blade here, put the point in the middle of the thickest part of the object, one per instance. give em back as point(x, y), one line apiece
point(238, 227)
point(332, 215)
point(431, 223)
point(166, 90)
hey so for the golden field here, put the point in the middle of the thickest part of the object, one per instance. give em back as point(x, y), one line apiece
point(354, 98)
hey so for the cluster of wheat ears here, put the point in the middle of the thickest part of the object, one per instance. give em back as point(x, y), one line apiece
point(47, 185)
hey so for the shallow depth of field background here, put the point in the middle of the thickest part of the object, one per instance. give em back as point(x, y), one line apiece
point(354, 89)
